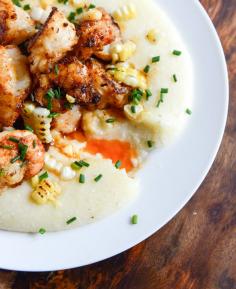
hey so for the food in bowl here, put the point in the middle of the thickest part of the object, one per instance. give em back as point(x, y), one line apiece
point(88, 90)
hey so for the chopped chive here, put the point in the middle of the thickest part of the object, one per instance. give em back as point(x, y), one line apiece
point(175, 78)
point(56, 69)
point(43, 176)
point(134, 220)
point(82, 164)
point(53, 114)
point(79, 10)
point(98, 178)
point(23, 150)
point(118, 164)
point(158, 103)
point(156, 59)
point(110, 120)
point(6, 147)
point(92, 6)
point(29, 128)
point(2, 172)
point(17, 3)
point(42, 231)
point(76, 166)
point(150, 143)
point(148, 93)
point(13, 139)
point(15, 159)
point(146, 68)
point(188, 111)
point(34, 143)
point(82, 178)
point(176, 52)
point(26, 7)
point(68, 222)
point(71, 16)
point(164, 90)
point(133, 109)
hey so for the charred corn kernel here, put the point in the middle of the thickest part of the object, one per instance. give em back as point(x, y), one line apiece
point(67, 174)
point(91, 15)
point(35, 181)
point(70, 98)
point(133, 112)
point(45, 192)
point(152, 36)
point(128, 75)
point(122, 51)
point(125, 13)
point(45, 3)
point(37, 118)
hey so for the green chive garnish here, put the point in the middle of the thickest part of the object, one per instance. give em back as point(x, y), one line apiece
point(76, 166)
point(156, 59)
point(148, 93)
point(164, 90)
point(43, 176)
point(42, 231)
point(146, 68)
point(34, 143)
point(118, 164)
point(2, 173)
point(98, 178)
point(71, 16)
point(82, 178)
point(133, 109)
point(26, 7)
point(134, 219)
point(23, 150)
point(176, 52)
point(15, 159)
point(91, 6)
point(56, 69)
point(79, 10)
point(53, 114)
point(71, 220)
point(13, 139)
point(188, 111)
point(150, 143)
point(17, 3)
point(175, 78)
point(29, 128)
point(110, 120)
point(6, 147)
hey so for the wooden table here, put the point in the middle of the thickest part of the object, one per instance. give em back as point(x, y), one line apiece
point(197, 249)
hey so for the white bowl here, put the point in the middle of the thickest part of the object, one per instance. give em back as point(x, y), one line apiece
point(170, 177)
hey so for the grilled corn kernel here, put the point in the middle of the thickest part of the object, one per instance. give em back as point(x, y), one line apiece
point(128, 75)
point(70, 98)
point(152, 36)
point(45, 3)
point(125, 13)
point(91, 15)
point(133, 112)
point(35, 181)
point(38, 119)
point(45, 192)
point(122, 51)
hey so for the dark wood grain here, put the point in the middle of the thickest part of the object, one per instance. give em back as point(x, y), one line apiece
point(197, 249)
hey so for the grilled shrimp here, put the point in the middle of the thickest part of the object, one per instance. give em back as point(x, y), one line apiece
point(95, 34)
point(52, 42)
point(15, 83)
point(88, 82)
point(16, 26)
point(21, 157)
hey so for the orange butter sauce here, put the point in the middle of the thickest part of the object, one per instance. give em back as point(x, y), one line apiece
point(109, 149)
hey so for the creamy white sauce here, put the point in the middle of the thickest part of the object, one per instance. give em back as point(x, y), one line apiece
point(92, 201)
